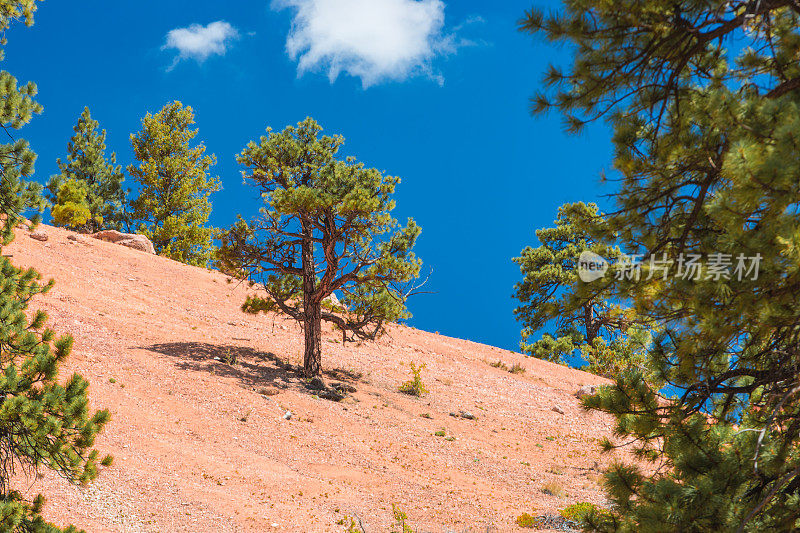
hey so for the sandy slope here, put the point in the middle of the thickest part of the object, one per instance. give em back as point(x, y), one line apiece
point(199, 449)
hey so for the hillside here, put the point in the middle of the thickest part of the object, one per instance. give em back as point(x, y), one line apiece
point(199, 448)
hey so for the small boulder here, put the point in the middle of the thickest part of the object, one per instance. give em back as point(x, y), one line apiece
point(586, 390)
point(131, 240)
point(333, 301)
point(558, 409)
point(316, 384)
point(38, 236)
point(343, 387)
point(330, 394)
point(75, 237)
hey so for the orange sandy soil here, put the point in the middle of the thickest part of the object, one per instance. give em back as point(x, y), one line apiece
point(198, 448)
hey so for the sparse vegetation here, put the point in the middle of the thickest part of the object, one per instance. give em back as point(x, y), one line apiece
point(414, 386)
point(554, 488)
point(516, 368)
point(400, 525)
point(527, 521)
point(230, 357)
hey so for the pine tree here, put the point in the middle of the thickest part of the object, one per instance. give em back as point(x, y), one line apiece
point(326, 226)
point(583, 317)
point(173, 205)
point(42, 422)
point(704, 100)
point(88, 182)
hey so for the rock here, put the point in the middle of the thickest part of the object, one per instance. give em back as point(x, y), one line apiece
point(287, 415)
point(558, 409)
point(131, 240)
point(587, 390)
point(333, 301)
point(38, 236)
point(467, 415)
point(143, 244)
point(280, 384)
point(316, 384)
point(343, 387)
point(269, 391)
point(330, 394)
point(75, 237)
point(22, 224)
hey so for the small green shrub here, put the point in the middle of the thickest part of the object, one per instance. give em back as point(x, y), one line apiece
point(526, 520)
point(577, 512)
point(517, 369)
point(351, 524)
point(230, 358)
point(440, 433)
point(414, 386)
point(580, 511)
point(400, 525)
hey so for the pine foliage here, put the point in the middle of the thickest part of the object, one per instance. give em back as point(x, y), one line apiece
point(326, 226)
point(581, 316)
point(87, 194)
point(173, 205)
point(44, 422)
point(704, 101)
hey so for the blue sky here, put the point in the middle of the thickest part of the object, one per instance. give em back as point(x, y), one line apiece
point(438, 96)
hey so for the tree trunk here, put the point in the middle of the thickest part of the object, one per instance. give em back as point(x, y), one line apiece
point(312, 358)
point(588, 317)
point(312, 322)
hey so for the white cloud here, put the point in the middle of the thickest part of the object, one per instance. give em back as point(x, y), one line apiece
point(375, 40)
point(199, 42)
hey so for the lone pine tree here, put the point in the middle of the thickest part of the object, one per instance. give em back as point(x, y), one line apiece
point(704, 99)
point(582, 316)
point(87, 194)
point(174, 186)
point(326, 226)
point(43, 423)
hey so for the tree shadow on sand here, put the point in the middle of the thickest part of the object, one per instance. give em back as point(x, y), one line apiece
point(251, 367)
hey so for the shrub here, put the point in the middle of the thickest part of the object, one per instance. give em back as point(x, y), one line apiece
point(554, 488)
point(579, 511)
point(499, 364)
point(414, 386)
point(400, 525)
point(517, 369)
point(526, 520)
